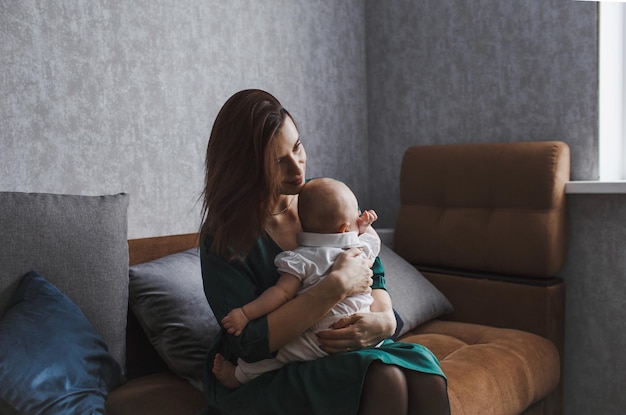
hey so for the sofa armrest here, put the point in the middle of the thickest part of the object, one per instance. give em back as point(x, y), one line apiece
point(505, 302)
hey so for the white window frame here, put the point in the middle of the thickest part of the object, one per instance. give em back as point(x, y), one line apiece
point(612, 151)
point(612, 102)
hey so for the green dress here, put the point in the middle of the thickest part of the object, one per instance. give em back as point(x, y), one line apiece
point(329, 385)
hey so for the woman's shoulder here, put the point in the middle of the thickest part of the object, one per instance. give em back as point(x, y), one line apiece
point(263, 246)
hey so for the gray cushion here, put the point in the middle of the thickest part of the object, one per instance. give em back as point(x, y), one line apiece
point(414, 298)
point(80, 244)
point(167, 297)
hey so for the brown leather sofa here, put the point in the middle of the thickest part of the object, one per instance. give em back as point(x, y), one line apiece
point(486, 224)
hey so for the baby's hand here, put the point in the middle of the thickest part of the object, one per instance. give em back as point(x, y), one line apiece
point(365, 220)
point(235, 321)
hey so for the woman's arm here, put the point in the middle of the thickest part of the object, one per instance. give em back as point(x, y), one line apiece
point(350, 275)
point(362, 329)
point(229, 285)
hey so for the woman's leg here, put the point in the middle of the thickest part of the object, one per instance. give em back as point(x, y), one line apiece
point(391, 390)
point(428, 394)
point(384, 391)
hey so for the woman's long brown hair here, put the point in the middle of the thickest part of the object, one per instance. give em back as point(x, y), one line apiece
point(241, 177)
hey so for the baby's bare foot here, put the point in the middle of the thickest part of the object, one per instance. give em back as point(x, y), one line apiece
point(224, 371)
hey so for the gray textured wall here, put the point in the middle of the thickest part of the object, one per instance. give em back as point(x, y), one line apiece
point(446, 71)
point(595, 324)
point(102, 97)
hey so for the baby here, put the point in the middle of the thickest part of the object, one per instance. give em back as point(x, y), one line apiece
point(331, 222)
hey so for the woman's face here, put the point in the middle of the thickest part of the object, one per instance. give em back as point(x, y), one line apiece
point(291, 158)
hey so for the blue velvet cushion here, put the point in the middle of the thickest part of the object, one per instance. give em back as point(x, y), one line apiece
point(51, 359)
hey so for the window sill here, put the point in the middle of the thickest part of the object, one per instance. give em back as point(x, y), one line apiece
point(594, 186)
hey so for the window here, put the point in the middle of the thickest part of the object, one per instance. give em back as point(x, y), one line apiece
point(612, 137)
point(612, 102)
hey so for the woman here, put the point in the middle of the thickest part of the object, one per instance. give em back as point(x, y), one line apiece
point(255, 168)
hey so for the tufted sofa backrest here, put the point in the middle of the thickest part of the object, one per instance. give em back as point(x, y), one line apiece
point(493, 208)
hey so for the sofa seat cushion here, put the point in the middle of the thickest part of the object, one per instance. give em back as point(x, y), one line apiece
point(490, 370)
point(157, 394)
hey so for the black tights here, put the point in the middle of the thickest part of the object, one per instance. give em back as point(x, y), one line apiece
point(391, 390)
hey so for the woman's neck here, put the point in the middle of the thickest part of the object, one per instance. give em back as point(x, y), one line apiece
point(283, 225)
point(284, 203)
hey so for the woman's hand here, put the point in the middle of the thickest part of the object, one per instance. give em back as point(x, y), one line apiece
point(351, 274)
point(357, 331)
point(361, 330)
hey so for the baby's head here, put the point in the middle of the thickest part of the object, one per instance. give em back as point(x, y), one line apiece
point(327, 206)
